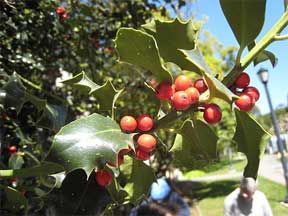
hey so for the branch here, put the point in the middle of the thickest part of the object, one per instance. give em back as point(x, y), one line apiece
point(281, 37)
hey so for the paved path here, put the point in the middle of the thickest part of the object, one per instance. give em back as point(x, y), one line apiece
point(271, 168)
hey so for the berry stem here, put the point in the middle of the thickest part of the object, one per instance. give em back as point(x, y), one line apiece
point(174, 115)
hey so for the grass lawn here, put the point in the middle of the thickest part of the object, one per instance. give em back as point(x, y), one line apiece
point(221, 167)
point(210, 195)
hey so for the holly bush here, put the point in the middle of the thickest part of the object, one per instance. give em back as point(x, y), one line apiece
point(99, 161)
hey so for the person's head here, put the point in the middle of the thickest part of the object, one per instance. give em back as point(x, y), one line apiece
point(247, 188)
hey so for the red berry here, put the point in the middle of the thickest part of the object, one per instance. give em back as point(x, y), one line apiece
point(142, 155)
point(164, 91)
point(212, 113)
point(146, 142)
point(128, 124)
point(242, 80)
point(182, 82)
point(12, 149)
point(252, 91)
point(181, 100)
point(60, 10)
point(245, 103)
point(103, 177)
point(193, 94)
point(144, 122)
point(200, 85)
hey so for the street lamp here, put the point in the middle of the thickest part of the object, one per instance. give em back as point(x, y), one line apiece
point(263, 75)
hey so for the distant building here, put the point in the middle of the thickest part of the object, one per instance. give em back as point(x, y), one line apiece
point(272, 147)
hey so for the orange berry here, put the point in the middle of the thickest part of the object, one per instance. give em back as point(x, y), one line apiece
point(144, 122)
point(193, 94)
point(182, 82)
point(128, 124)
point(181, 100)
point(146, 142)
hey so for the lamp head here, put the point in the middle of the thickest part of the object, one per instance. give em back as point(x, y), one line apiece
point(263, 75)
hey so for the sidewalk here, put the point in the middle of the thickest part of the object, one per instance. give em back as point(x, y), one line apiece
point(271, 168)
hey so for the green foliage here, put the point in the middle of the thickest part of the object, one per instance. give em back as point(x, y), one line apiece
point(251, 139)
point(105, 94)
point(45, 168)
point(263, 56)
point(14, 202)
point(185, 36)
point(96, 137)
point(246, 19)
point(195, 145)
point(36, 57)
point(139, 48)
point(137, 187)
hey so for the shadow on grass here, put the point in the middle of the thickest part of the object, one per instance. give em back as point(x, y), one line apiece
point(201, 190)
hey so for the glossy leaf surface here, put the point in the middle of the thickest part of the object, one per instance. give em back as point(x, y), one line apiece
point(251, 138)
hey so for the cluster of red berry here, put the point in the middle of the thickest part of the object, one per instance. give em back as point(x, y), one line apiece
point(61, 12)
point(146, 143)
point(248, 95)
point(182, 95)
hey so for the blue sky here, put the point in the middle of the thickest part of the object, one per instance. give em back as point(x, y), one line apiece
point(218, 26)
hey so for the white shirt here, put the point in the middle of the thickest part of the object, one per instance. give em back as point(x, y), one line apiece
point(235, 205)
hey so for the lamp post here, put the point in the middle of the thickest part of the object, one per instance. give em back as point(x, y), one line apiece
point(263, 75)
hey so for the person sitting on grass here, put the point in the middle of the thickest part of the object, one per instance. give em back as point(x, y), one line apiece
point(246, 200)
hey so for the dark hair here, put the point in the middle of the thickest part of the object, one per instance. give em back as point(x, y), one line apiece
point(158, 209)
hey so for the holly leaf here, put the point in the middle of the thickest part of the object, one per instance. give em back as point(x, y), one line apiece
point(184, 37)
point(215, 86)
point(251, 138)
point(139, 178)
point(117, 193)
point(45, 168)
point(139, 48)
point(79, 195)
point(263, 56)
point(105, 94)
point(14, 201)
point(15, 161)
point(246, 18)
point(194, 146)
point(53, 117)
point(218, 89)
point(14, 93)
point(152, 100)
point(83, 143)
